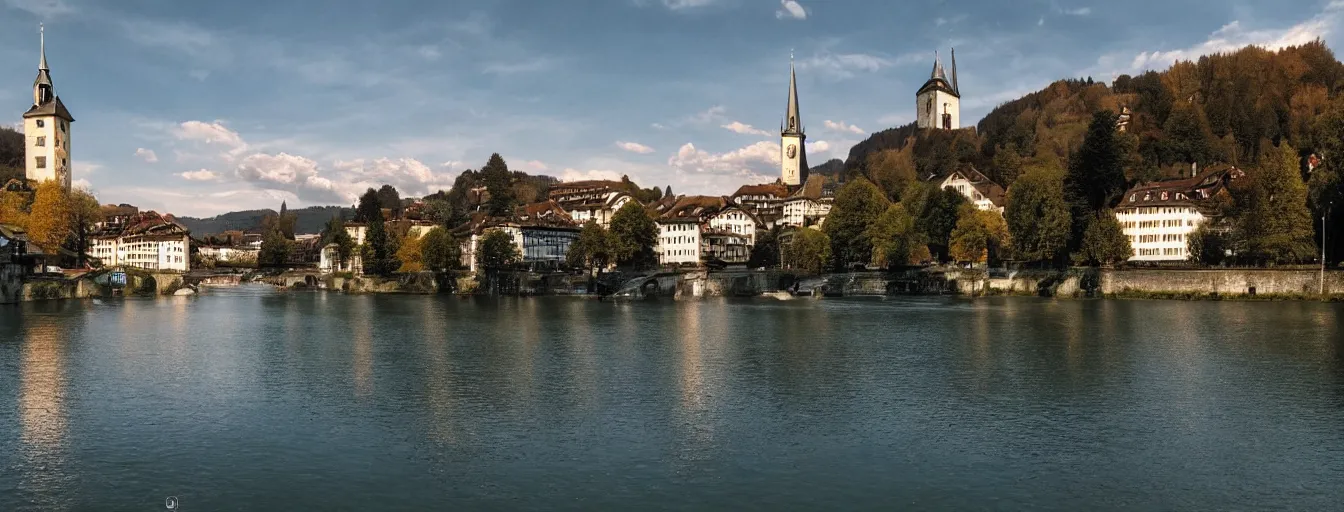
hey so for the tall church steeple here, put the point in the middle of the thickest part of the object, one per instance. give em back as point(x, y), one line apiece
point(46, 127)
point(793, 154)
point(938, 101)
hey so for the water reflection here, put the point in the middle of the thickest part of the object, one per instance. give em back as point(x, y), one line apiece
point(361, 327)
point(42, 404)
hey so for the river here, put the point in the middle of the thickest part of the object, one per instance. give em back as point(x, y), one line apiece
point(250, 398)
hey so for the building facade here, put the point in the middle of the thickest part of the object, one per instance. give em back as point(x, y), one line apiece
point(978, 189)
point(144, 240)
point(678, 241)
point(938, 101)
point(46, 130)
point(737, 220)
point(1159, 217)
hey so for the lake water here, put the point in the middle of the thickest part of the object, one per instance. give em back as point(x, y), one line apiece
point(252, 399)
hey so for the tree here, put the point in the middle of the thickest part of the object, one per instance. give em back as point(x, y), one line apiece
point(1104, 242)
point(275, 248)
point(1207, 245)
point(1096, 176)
point(1037, 216)
point(592, 249)
point(335, 233)
point(857, 205)
point(895, 239)
point(765, 253)
point(939, 218)
point(49, 219)
point(891, 170)
point(1007, 165)
point(668, 192)
point(633, 235)
point(971, 238)
point(1274, 223)
point(808, 250)
point(389, 199)
point(14, 208)
point(496, 250)
point(84, 213)
point(378, 251)
point(498, 183)
point(410, 254)
point(369, 207)
point(439, 251)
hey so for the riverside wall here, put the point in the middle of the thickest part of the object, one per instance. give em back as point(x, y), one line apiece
point(1221, 282)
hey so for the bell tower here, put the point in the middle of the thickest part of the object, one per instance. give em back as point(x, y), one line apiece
point(793, 155)
point(938, 102)
point(46, 128)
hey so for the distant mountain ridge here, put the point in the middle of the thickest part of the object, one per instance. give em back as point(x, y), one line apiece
point(310, 220)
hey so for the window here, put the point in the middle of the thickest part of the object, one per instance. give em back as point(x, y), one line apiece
point(41, 162)
point(41, 123)
point(41, 141)
point(62, 126)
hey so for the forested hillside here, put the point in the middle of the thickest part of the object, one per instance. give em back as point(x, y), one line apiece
point(11, 154)
point(309, 220)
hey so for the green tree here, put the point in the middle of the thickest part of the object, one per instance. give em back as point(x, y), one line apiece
point(1007, 165)
point(1096, 176)
point(496, 250)
point(895, 239)
point(1104, 242)
point(498, 183)
point(84, 213)
point(633, 235)
point(389, 198)
point(765, 253)
point(1187, 137)
point(592, 249)
point(808, 250)
point(891, 170)
point(439, 250)
point(369, 208)
point(1274, 222)
point(378, 250)
point(1326, 184)
point(1038, 218)
point(940, 217)
point(1207, 245)
point(275, 248)
point(857, 206)
point(335, 233)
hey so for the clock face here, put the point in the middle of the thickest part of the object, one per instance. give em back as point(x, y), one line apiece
point(793, 150)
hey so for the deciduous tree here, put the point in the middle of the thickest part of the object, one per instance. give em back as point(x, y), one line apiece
point(895, 239)
point(592, 249)
point(84, 213)
point(1037, 216)
point(633, 235)
point(439, 250)
point(1274, 222)
point(857, 206)
point(808, 250)
point(1104, 242)
point(49, 219)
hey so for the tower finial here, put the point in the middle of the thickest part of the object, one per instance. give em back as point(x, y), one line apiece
point(42, 37)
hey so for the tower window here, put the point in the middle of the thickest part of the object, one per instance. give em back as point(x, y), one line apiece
point(41, 162)
point(41, 141)
point(41, 123)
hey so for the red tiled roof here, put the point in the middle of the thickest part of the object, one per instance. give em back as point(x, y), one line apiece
point(767, 189)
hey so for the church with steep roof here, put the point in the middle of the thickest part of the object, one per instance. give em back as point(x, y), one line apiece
point(46, 130)
point(938, 102)
point(793, 154)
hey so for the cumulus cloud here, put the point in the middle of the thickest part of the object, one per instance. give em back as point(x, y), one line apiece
point(81, 184)
point(201, 175)
point(570, 174)
point(146, 155)
point(296, 174)
point(747, 161)
point(634, 147)
point(214, 133)
point(744, 129)
point(840, 126)
point(534, 166)
point(1234, 36)
point(790, 9)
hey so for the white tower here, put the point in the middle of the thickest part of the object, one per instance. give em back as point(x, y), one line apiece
point(793, 156)
point(938, 101)
point(46, 129)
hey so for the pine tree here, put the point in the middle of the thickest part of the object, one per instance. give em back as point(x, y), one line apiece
point(1275, 224)
point(498, 183)
point(1096, 176)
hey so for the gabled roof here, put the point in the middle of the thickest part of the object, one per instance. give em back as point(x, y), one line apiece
point(693, 208)
point(777, 190)
point(982, 184)
point(50, 108)
point(814, 188)
point(1190, 191)
point(733, 207)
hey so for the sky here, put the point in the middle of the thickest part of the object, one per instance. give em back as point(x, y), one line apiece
point(200, 108)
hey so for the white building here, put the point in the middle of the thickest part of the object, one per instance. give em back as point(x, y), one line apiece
point(810, 204)
point(1159, 217)
point(46, 130)
point(329, 261)
point(145, 240)
point(678, 241)
point(596, 200)
point(938, 102)
point(737, 220)
point(978, 189)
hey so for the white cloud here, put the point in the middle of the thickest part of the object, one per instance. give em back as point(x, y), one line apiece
point(146, 155)
point(710, 115)
point(83, 167)
point(634, 147)
point(677, 5)
point(818, 147)
point(211, 133)
point(844, 65)
point(81, 184)
point(744, 129)
point(201, 175)
point(534, 166)
point(751, 160)
point(658, 126)
point(842, 127)
point(1231, 37)
point(592, 174)
point(1081, 11)
point(41, 8)
point(791, 9)
point(295, 174)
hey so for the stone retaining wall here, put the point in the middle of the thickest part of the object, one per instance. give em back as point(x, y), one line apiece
point(1224, 282)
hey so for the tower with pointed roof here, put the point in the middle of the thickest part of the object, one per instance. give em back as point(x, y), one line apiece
point(793, 155)
point(46, 128)
point(938, 102)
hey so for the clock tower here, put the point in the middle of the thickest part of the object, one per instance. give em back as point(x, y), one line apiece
point(46, 129)
point(793, 156)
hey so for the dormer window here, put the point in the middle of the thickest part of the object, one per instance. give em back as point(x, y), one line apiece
point(1131, 197)
point(1164, 196)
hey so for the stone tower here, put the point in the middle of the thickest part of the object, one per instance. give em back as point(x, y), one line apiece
point(938, 101)
point(46, 129)
point(793, 155)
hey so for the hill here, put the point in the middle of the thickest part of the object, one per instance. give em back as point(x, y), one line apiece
point(11, 154)
point(1220, 108)
point(310, 220)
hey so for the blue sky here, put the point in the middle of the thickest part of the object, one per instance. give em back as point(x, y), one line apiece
point(199, 108)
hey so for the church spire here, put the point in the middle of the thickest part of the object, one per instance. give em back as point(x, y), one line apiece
point(42, 37)
point(938, 73)
point(793, 121)
point(955, 87)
